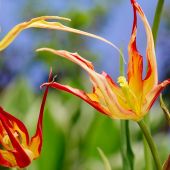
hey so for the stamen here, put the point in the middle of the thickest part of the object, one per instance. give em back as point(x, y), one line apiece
point(131, 98)
point(122, 81)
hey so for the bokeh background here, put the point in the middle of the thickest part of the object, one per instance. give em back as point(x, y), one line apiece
point(72, 129)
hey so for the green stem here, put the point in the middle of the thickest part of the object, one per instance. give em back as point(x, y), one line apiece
point(151, 143)
point(123, 145)
point(147, 153)
point(126, 149)
point(155, 28)
point(157, 18)
point(130, 154)
point(127, 153)
point(126, 165)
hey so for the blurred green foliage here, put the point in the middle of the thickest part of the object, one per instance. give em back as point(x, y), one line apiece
point(73, 130)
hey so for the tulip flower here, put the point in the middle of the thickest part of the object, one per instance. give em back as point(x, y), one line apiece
point(129, 98)
point(18, 150)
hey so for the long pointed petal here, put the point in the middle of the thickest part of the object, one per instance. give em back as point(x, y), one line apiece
point(151, 78)
point(40, 22)
point(36, 140)
point(74, 57)
point(135, 63)
point(15, 31)
point(78, 93)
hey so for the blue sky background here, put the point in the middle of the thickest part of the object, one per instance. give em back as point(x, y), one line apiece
point(116, 28)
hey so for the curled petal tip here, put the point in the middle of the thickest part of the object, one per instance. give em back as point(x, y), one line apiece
point(41, 86)
point(39, 49)
point(50, 79)
point(49, 49)
point(42, 49)
point(44, 84)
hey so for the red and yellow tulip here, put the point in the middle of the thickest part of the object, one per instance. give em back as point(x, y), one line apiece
point(133, 96)
point(18, 150)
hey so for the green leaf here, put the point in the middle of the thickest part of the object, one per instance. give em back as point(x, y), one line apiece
point(105, 160)
point(97, 136)
point(157, 18)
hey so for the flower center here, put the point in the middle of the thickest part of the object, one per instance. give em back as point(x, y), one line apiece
point(129, 95)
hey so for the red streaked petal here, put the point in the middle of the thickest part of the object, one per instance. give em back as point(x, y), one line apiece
point(20, 155)
point(108, 100)
point(7, 159)
point(135, 63)
point(120, 113)
point(36, 140)
point(85, 64)
point(153, 95)
point(151, 78)
point(2, 134)
point(18, 125)
point(109, 79)
point(78, 93)
point(116, 89)
point(74, 57)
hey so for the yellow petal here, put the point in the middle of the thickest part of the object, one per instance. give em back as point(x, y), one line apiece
point(40, 22)
point(34, 147)
point(12, 34)
point(151, 78)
